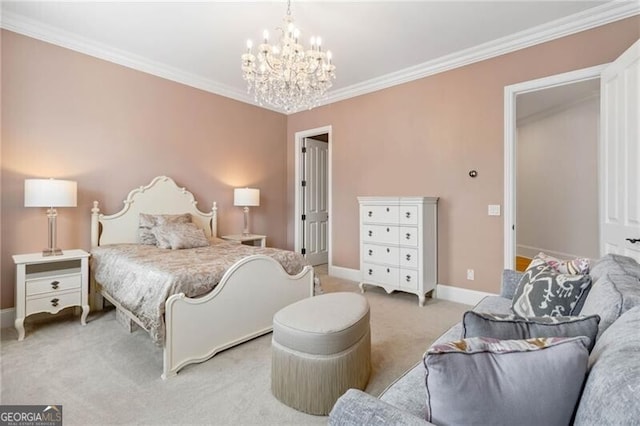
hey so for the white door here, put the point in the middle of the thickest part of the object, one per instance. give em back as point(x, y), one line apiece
point(315, 212)
point(620, 155)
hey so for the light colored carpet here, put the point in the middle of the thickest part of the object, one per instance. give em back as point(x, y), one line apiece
point(104, 375)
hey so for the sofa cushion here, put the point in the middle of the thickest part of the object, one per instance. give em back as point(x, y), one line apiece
point(545, 292)
point(610, 395)
point(614, 264)
point(484, 380)
point(510, 327)
point(611, 296)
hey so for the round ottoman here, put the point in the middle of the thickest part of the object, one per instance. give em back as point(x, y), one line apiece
point(321, 347)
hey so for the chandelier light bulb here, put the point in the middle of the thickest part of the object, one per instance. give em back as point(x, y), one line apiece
point(284, 74)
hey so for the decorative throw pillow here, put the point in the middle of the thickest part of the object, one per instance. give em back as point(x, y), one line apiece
point(510, 327)
point(544, 292)
point(577, 266)
point(179, 236)
point(148, 221)
point(509, 382)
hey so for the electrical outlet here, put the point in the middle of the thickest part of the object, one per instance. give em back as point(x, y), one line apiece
point(470, 274)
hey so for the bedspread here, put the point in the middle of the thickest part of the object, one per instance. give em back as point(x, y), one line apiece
point(142, 277)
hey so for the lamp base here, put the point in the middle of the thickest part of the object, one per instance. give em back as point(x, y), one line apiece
point(51, 252)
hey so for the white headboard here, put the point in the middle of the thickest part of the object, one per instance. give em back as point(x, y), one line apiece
point(161, 196)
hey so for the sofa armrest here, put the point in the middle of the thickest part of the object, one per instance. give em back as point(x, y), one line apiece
point(510, 280)
point(356, 408)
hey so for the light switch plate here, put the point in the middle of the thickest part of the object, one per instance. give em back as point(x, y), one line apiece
point(494, 209)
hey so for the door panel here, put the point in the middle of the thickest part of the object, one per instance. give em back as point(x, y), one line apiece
point(315, 201)
point(620, 155)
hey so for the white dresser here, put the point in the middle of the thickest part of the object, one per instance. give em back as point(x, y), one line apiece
point(399, 244)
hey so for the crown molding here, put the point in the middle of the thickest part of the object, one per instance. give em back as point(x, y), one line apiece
point(36, 29)
point(594, 17)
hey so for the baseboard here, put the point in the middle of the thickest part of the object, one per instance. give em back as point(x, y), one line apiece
point(7, 317)
point(460, 295)
point(345, 273)
point(531, 252)
point(445, 292)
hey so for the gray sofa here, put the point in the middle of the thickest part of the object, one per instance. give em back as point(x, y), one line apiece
point(611, 393)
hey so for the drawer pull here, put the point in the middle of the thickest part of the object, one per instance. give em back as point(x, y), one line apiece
point(408, 278)
point(388, 270)
point(54, 302)
point(408, 236)
point(55, 284)
point(387, 229)
point(408, 257)
point(370, 272)
point(387, 209)
point(370, 233)
point(408, 215)
point(370, 213)
point(370, 252)
point(388, 250)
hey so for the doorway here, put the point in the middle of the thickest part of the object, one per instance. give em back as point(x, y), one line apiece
point(510, 147)
point(556, 172)
point(312, 228)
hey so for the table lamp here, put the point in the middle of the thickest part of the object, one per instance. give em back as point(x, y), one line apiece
point(246, 197)
point(50, 193)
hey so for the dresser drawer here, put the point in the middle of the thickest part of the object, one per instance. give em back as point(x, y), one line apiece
point(379, 214)
point(380, 234)
point(408, 236)
point(408, 215)
point(408, 257)
point(380, 254)
point(53, 302)
point(380, 274)
point(53, 283)
point(408, 279)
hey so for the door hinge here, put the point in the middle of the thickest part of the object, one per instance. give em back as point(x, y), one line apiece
point(304, 149)
point(304, 183)
point(304, 217)
point(304, 251)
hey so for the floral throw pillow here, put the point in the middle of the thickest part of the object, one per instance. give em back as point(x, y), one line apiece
point(544, 292)
point(148, 221)
point(178, 236)
point(577, 266)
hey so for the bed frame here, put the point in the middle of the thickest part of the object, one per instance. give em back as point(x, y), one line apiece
point(240, 308)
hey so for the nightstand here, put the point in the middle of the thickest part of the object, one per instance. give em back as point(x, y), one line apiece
point(50, 284)
point(250, 240)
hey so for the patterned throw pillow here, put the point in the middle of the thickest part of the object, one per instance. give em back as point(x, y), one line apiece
point(544, 292)
point(509, 327)
point(146, 222)
point(577, 266)
point(178, 236)
point(509, 382)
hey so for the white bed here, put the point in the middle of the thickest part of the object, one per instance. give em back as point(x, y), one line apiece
point(241, 306)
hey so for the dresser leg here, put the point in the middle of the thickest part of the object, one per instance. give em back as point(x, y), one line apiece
point(85, 312)
point(361, 285)
point(19, 323)
point(421, 300)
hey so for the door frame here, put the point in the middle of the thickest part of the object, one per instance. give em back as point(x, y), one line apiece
point(510, 127)
point(298, 138)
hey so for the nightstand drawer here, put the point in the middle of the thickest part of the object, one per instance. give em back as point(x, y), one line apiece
point(53, 283)
point(53, 302)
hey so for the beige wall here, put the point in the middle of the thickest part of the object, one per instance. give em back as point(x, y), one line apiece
point(557, 187)
point(423, 137)
point(68, 115)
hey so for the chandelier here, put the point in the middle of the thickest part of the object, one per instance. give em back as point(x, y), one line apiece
point(285, 75)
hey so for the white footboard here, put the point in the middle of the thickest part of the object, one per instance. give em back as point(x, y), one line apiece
point(240, 308)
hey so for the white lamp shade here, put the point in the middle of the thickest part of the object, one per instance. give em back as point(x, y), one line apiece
point(246, 197)
point(50, 193)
